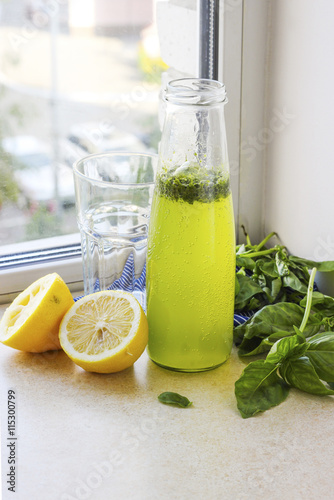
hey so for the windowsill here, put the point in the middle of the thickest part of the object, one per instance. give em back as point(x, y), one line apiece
point(31, 260)
point(27, 246)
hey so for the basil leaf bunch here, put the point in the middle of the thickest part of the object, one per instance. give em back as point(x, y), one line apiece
point(275, 286)
point(292, 361)
point(270, 275)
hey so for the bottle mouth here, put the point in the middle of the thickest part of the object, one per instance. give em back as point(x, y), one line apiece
point(199, 91)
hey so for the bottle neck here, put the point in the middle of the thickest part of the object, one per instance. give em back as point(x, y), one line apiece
point(195, 91)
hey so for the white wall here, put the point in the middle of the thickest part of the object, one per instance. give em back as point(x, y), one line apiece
point(230, 71)
point(253, 138)
point(298, 196)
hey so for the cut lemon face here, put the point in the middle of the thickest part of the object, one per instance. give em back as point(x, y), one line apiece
point(104, 332)
point(31, 322)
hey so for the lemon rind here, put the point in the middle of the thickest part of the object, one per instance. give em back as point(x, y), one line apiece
point(7, 332)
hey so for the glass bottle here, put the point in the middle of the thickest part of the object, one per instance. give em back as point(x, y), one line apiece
point(191, 242)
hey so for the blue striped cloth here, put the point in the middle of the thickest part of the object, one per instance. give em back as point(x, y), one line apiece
point(239, 319)
point(129, 283)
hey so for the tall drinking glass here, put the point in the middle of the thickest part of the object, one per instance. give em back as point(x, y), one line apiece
point(113, 200)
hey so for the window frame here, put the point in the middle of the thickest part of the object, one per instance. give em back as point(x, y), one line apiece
point(23, 263)
point(237, 43)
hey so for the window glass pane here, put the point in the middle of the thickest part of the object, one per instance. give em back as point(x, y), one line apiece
point(76, 78)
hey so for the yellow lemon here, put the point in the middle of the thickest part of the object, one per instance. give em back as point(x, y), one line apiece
point(31, 322)
point(104, 332)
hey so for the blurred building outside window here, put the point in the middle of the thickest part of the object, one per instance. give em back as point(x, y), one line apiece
point(75, 78)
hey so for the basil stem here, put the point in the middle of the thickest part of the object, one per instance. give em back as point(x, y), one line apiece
point(258, 254)
point(263, 242)
point(308, 300)
point(246, 235)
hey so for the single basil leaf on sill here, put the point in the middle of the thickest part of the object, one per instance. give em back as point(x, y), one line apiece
point(301, 374)
point(174, 398)
point(259, 388)
point(287, 348)
point(321, 355)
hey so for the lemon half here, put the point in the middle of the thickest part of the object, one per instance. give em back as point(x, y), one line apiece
point(104, 332)
point(31, 322)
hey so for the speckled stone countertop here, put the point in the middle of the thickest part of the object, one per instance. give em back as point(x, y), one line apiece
point(100, 437)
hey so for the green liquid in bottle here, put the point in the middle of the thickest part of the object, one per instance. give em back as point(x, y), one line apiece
point(191, 271)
